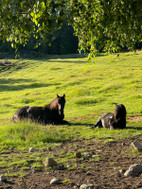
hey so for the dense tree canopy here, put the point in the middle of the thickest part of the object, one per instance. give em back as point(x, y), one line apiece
point(99, 24)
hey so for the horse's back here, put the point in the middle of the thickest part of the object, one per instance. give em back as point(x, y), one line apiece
point(35, 113)
point(21, 113)
point(51, 113)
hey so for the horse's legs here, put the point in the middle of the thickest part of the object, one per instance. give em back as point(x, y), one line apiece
point(98, 124)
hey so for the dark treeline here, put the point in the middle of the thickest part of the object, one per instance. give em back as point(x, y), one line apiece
point(62, 42)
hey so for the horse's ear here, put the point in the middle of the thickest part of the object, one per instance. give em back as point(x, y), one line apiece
point(57, 96)
point(64, 95)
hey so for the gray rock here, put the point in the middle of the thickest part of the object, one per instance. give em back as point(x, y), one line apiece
point(133, 169)
point(95, 156)
point(121, 171)
point(88, 173)
point(33, 167)
point(42, 150)
point(87, 186)
point(2, 178)
point(68, 166)
point(86, 156)
point(137, 146)
point(50, 162)
point(128, 173)
point(32, 149)
point(55, 181)
point(136, 168)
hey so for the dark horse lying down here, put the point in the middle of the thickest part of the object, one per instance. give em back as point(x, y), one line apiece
point(116, 120)
point(52, 113)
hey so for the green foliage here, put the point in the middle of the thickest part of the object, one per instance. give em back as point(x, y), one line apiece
point(99, 24)
point(21, 19)
point(106, 25)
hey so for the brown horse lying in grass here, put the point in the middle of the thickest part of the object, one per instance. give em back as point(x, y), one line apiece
point(116, 120)
point(52, 113)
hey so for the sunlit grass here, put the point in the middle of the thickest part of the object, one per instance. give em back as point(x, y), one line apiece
point(91, 89)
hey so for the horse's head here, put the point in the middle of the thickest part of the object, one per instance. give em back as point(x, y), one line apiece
point(120, 112)
point(61, 103)
point(120, 116)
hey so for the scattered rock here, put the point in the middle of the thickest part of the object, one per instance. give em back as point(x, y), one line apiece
point(78, 154)
point(33, 168)
point(133, 170)
point(122, 171)
point(137, 146)
point(95, 156)
point(50, 162)
point(32, 149)
point(136, 168)
point(68, 166)
point(88, 173)
point(86, 156)
point(2, 178)
point(55, 181)
point(128, 173)
point(75, 187)
point(42, 150)
point(87, 186)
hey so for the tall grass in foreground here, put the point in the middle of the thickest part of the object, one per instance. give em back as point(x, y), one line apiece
point(24, 135)
point(91, 89)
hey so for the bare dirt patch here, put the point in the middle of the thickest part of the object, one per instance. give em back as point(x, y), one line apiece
point(135, 118)
point(104, 168)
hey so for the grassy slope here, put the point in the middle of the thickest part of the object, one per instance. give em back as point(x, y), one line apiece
point(91, 89)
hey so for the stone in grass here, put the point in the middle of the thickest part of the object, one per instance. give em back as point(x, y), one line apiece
point(2, 178)
point(50, 162)
point(32, 149)
point(128, 173)
point(55, 181)
point(137, 146)
point(133, 169)
point(88, 173)
point(87, 186)
point(86, 156)
point(136, 168)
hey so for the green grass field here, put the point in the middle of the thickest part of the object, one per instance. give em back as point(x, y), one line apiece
point(90, 88)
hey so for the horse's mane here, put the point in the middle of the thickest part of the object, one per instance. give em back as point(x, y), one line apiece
point(53, 104)
point(120, 112)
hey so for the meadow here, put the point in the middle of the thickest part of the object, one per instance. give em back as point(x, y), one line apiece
point(90, 88)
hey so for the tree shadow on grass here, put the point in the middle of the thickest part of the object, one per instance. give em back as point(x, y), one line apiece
point(13, 81)
point(14, 84)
